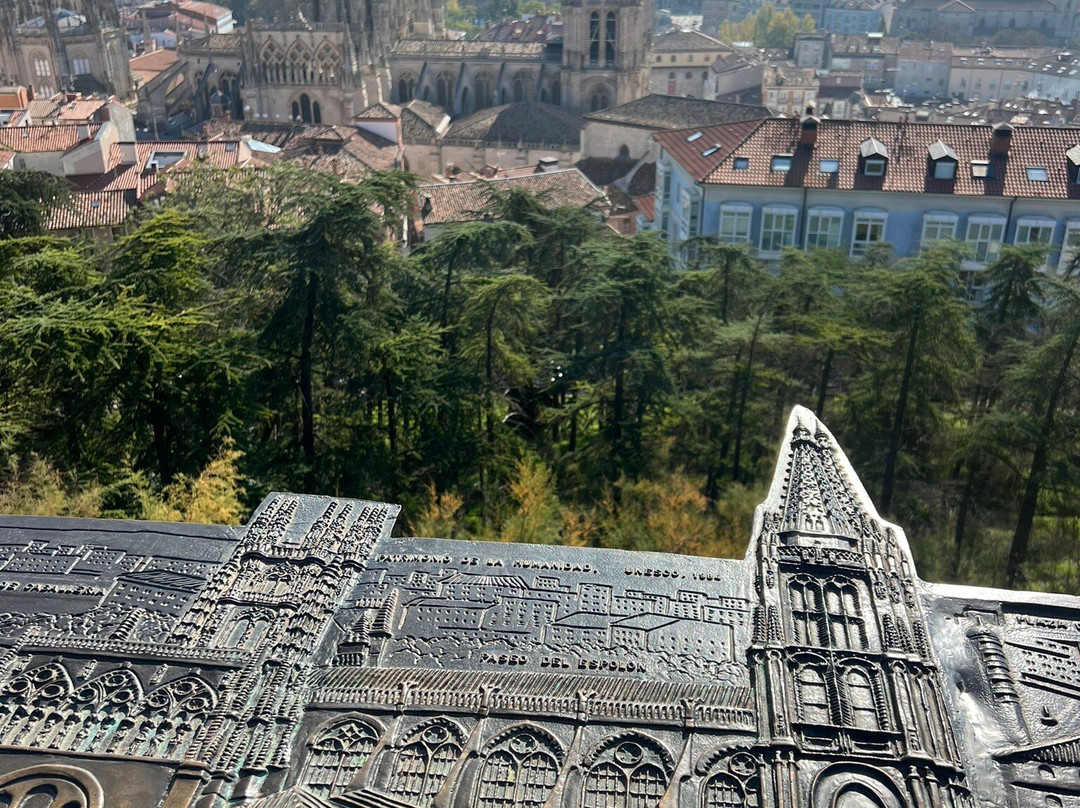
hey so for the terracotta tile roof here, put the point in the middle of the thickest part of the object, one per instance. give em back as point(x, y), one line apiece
point(150, 65)
point(467, 201)
point(344, 150)
point(80, 110)
point(423, 121)
point(691, 152)
point(41, 109)
point(684, 41)
point(644, 180)
point(524, 122)
point(35, 139)
point(603, 171)
point(96, 209)
point(380, 111)
point(5, 157)
point(647, 205)
point(659, 112)
point(908, 147)
point(135, 177)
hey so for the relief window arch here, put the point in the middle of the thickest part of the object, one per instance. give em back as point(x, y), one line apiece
point(860, 700)
point(629, 774)
point(812, 693)
point(337, 754)
point(827, 613)
point(424, 761)
point(520, 771)
point(723, 791)
point(594, 38)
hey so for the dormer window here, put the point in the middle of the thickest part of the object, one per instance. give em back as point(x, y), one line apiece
point(980, 170)
point(944, 170)
point(1073, 156)
point(780, 162)
point(874, 167)
point(875, 157)
point(943, 161)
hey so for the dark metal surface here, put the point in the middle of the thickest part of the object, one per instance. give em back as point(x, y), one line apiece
point(310, 659)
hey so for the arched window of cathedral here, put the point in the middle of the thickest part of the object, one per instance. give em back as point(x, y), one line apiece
point(519, 772)
point(272, 58)
point(556, 93)
point(336, 754)
point(246, 629)
point(316, 112)
point(228, 83)
point(812, 695)
point(444, 90)
point(305, 108)
point(300, 64)
point(424, 761)
point(328, 61)
point(42, 64)
point(406, 88)
point(624, 151)
point(627, 774)
point(600, 99)
point(100, 709)
point(722, 791)
point(295, 111)
point(33, 700)
point(862, 711)
point(169, 716)
point(609, 40)
point(594, 38)
point(482, 90)
point(522, 85)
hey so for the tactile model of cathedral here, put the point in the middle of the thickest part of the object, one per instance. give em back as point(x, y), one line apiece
point(312, 660)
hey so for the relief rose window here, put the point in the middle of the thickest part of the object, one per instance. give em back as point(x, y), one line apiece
point(336, 755)
point(520, 771)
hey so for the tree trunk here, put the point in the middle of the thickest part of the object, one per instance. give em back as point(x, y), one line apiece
point(1039, 462)
point(744, 393)
point(961, 516)
point(391, 416)
point(307, 340)
point(819, 408)
point(733, 401)
point(898, 422)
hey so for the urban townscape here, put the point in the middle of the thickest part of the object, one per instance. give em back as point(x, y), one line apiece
point(534, 404)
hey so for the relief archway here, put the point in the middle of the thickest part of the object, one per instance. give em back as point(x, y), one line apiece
point(51, 786)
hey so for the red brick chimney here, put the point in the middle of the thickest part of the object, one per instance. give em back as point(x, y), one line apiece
point(999, 142)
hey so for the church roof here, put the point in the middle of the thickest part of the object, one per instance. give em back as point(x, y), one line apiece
point(666, 112)
point(528, 122)
point(684, 41)
point(467, 201)
point(466, 49)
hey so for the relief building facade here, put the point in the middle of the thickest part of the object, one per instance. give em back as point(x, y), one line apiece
point(312, 660)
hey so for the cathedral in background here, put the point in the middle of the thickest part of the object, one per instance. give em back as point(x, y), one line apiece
point(59, 46)
point(337, 57)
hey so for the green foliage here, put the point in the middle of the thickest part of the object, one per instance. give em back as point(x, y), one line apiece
point(532, 377)
point(26, 198)
point(767, 27)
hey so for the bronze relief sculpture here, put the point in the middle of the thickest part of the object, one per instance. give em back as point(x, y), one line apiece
point(310, 659)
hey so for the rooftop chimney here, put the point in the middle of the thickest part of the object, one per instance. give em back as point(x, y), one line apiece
point(999, 143)
point(808, 128)
point(83, 132)
point(129, 156)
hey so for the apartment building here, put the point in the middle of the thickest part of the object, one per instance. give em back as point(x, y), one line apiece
point(849, 185)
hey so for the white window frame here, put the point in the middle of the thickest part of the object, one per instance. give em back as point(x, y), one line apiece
point(877, 163)
point(935, 222)
point(870, 218)
point(787, 235)
point(739, 213)
point(1070, 243)
point(1026, 224)
point(834, 217)
point(983, 226)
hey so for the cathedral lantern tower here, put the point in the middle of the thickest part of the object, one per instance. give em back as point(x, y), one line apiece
point(59, 47)
point(605, 52)
point(848, 692)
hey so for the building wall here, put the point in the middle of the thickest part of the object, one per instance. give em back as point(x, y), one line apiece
point(607, 139)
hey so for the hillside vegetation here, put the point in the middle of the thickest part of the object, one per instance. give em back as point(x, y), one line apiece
point(530, 378)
